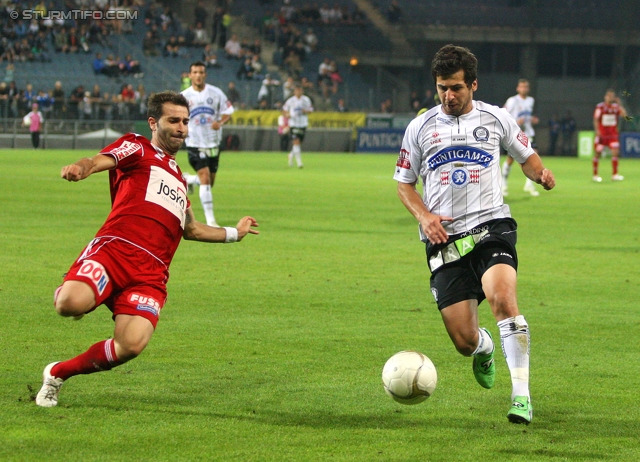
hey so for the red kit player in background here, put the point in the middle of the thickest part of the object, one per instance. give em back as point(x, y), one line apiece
point(605, 123)
point(126, 266)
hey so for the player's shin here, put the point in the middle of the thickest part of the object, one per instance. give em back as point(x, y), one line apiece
point(515, 339)
point(99, 357)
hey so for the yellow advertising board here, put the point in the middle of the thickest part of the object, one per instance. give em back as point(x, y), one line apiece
point(316, 119)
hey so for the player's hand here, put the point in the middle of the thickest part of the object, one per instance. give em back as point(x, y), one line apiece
point(216, 125)
point(245, 226)
point(72, 172)
point(433, 229)
point(547, 180)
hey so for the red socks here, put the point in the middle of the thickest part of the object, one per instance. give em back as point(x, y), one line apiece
point(99, 357)
point(596, 161)
point(614, 165)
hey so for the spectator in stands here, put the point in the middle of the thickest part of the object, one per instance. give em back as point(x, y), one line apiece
point(325, 14)
point(74, 41)
point(334, 75)
point(76, 97)
point(224, 27)
point(106, 107)
point(209, 57)
point(28, 98)
point(567, 129)
point(267, 89)
point(14, 100)
point(130, 66)
point(246, 70)
point(217, 24)
point(4, 100)
point(386, 106)
point(201, 38)
point(257, 66)
point(233, 95)
point(394, 12)
point(171, 47)
point(149, 43)
point(293, 65)
point(310, 41)
point(98, 64)
point(61, 40)
point(129, 99)
point(141, 102)
point(200, 14)
point(256, 47)
point(324, 71)
point(232, 48)
point(414, 102)
point(111, 66)
point(340, 105)
point(85, 107)
point(58, 101)
point(45, 103)
point(96, 101)
point(430, 100)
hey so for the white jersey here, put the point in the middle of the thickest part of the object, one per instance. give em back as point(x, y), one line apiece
point(205, 107)
point(458, 160)
point(294, 106)
point(520, 107)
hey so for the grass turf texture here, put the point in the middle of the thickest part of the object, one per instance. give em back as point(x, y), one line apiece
point(271, 349)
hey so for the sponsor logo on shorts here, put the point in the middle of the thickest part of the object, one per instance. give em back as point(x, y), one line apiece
point(144, 303)
point(502, 254)
point(96, 274)
point(434, 292)
point(125, 149)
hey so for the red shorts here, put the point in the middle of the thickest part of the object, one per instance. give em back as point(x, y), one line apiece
point(611, 141)
point(124, 277)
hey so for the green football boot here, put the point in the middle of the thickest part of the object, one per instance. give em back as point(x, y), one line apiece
point(521, 411)
point(484, 368)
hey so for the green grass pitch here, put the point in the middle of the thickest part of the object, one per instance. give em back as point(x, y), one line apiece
point(272, 349)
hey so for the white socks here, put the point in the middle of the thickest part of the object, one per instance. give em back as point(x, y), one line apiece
point(297, 153)
point(485, 344)
point(206, 198)
point(514, 335)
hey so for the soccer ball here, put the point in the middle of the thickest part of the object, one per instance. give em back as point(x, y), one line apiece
point(26, 120)
point(409, 377)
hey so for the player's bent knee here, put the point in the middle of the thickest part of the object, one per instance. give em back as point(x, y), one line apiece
point(73, 298)
point(130, 349)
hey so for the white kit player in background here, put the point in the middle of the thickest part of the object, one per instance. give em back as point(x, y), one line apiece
point(470, 236)
point(520, 107)
point(209, 110)
point(296, 109)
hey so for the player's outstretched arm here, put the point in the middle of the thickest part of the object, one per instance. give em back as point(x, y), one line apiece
point(87, 166)
point(534, 170)
point(196, 231)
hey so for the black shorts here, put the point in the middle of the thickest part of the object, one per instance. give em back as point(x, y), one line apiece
point(455, 279)
point(297, 133)
point(204, 157)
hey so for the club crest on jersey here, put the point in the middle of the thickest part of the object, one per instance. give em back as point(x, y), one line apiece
point(209, 100)
point(460, 177)
point(523, 139)
point(125, 149)
point(481, 134)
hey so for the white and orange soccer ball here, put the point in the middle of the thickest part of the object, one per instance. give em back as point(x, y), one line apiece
point(409, 377)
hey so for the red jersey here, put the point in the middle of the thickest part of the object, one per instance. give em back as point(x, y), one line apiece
point(607, 116)
point(148, 197)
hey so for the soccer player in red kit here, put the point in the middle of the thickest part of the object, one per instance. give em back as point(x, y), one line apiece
point(126, 266)
point(605, 123)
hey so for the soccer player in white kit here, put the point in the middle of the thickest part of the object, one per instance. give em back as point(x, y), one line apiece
point(209, 110)
point(296, 109)
point(520, 106)
point(468, 230)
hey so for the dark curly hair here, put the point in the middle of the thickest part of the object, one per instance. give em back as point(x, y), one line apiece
point(157, 100)
point(451, 59)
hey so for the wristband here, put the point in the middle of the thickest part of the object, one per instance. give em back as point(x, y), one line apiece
point(232, 235)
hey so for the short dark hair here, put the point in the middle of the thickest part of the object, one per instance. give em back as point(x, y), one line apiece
point(451, 59)
point(157, 100)
point(197, 64)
